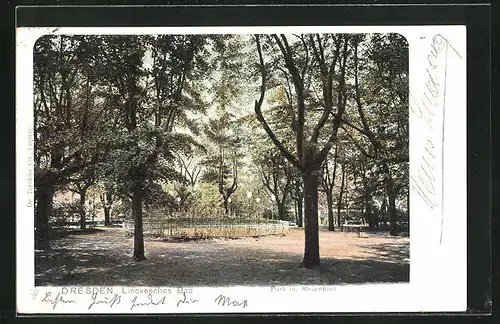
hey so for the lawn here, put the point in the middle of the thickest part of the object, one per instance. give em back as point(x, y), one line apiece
point(104, 257)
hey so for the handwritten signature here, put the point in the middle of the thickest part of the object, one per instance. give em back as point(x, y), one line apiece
point(55, 300)
point(222, 300)
point(111, 301)
point(149, 301)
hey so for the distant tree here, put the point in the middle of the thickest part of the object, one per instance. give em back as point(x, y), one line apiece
point(382, 106)
point(297, 194)
point(223, 131)
point(189, 169)
point(327, 185)
point(80, 186)
point(224, 156)
point(107, 198)
point(276, 176)
point(341, 193)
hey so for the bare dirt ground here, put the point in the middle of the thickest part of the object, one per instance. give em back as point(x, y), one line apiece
point(104, 257)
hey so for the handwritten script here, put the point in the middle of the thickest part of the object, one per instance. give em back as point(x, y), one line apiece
point(107, 300)
point(55, 300)
point(429, 106)
point(149, 301)
point(222, 300)
point(186, 300)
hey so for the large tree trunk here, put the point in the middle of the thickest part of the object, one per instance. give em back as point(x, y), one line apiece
point(83, 222)
point(311, 251)
point(43, 211)
point(137, 196)
point(329, 200)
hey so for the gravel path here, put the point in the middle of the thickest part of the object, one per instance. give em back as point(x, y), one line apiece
point(105, 258)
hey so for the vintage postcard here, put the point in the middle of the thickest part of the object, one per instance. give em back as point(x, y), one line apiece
point(241, 169)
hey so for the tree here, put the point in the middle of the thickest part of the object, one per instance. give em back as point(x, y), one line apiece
point(69, 119)
point(189, 169)
point(148, 121)
point(297, 195)
point(276, 176)
point(107, 197)
point(369, 186)
point(223, 131)
point(341, 194)
point(223, 158)
point(80, 186)
point(384, 92)
point(328, 183)
point(310, 60)
point(124, 55)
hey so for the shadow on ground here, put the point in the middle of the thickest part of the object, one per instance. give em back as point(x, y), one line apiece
point(55, 235)
point(82, 261)
point(390, 252)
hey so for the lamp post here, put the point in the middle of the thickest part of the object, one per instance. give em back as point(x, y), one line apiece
point(257, 200)
point(249, 196)
point(178, 201)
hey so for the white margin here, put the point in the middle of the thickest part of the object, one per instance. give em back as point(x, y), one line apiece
point(438, 276)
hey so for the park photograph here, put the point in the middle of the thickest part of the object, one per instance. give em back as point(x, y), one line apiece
point(188, 160)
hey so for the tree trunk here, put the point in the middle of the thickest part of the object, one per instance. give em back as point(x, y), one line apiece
point(383, 212)
point(226, 207)
point(296, 212)
point(83, 222)
point(107, 209)
point(300, 207)
point(329, 200)
point(299, 196)
point(43, 211)
point(394, 230)
point(281, 210)
point(391, 195)
point(107, 216)
point(137, 196)
point(339, 201)
point(311, 251)
point(369, 215)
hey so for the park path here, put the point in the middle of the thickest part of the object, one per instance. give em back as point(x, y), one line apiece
point(105, 258)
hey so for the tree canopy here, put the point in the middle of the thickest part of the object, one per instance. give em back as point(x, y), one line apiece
point(244, 125)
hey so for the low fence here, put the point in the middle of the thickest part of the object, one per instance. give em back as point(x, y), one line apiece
point(88, 224)
point(206, 229)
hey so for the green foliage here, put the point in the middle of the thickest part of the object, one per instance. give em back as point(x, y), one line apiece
point(109, 106)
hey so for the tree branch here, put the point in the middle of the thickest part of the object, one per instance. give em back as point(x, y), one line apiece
point(260, 117)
